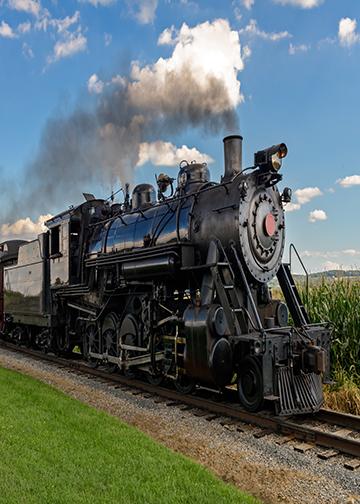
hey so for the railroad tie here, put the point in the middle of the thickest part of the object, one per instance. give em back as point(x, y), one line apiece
point(211, 417)
point(343, 432)
point(327, 454)
point(262, 433)
point(303, 447)
point(200, 413)
point(285, 439)
point(352, 464)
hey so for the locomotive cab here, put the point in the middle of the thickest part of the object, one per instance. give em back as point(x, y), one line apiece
point(68, 231)
point(59, 252)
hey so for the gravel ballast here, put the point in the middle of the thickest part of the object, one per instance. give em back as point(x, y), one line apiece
point(274, 473)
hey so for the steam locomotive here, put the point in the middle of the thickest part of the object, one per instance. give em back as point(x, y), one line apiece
point(175, 285)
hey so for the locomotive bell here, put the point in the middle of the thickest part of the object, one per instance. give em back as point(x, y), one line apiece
point(232, 156)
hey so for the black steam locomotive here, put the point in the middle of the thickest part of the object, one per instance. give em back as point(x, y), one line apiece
point(175, 285)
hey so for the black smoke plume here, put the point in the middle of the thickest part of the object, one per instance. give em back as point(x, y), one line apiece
point(86, 148)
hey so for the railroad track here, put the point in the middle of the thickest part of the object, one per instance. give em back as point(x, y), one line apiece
point(336, 433)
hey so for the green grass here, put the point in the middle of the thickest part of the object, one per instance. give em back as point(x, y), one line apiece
point(54, 449)
point(344, 395)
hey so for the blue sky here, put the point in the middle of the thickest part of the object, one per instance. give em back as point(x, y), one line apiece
point(297, 65)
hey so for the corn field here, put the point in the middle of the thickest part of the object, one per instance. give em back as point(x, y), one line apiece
point(338, 301)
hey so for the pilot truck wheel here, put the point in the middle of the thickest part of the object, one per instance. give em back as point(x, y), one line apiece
point(250, 384)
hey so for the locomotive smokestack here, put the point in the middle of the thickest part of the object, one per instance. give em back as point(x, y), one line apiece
point(232, 156)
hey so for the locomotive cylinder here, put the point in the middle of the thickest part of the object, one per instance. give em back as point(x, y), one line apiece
point(208, 354)
point(232, 156)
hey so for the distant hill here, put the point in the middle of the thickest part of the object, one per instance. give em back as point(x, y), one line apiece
point(332, 274)
point(315, 277)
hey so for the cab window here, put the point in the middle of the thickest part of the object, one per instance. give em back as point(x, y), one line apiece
point(55, 240)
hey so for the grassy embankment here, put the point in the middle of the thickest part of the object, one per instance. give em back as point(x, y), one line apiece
point(338, 301)
point(57, 450)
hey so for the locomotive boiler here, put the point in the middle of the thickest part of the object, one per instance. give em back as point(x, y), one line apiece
point(174, 284)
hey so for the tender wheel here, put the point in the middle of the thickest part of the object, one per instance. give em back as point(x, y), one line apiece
point(184, 384)
point(250, 384)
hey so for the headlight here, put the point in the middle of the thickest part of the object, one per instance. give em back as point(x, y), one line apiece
point(271, 158)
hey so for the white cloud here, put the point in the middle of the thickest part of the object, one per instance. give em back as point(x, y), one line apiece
point(95, 85)
point(24, 27)
point(330, 265)
point(25, 227)
point(118, 80)
point(330, 254)
point(237, 9)
point(168, 36)
point(248, 4)
point(317, 215)
point(351, 252)
point(208, 55)
point(347, 32)
point(30, 6)
point(253, 30)
point(44, 21)
point(238, 6)
point(332, 259)
point(302, 196)
point(107, 39)
point(167, 154)
point(292, 207)
point(6, 31)
point(304, 4)
point(301, 48)
point(69, 45)
point(307, 194)
point(62, 25)
point(246, 52)
point(28, 53)
point(349, 181)
point(318, 253)
point(145, 10)
point(66, 43)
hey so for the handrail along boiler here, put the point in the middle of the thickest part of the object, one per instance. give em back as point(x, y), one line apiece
point(176, 286)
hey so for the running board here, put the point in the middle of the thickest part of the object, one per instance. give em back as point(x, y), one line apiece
point(129, 362)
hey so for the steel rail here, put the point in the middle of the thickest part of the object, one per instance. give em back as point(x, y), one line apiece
point(337, 418)
point(280, 425)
